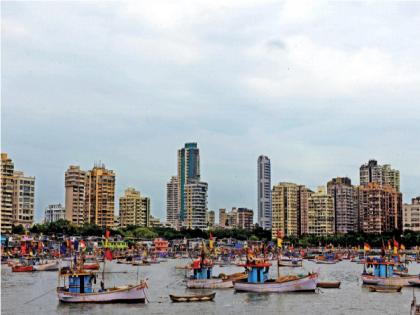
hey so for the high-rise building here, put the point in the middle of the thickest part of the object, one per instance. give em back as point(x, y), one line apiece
point(23, 199)
point(303, 202)
point(188, 172)
point(321, 213)
point(195, 197)
point(411, 215)
point(75, 185)
point(289, 209)
point(245, 218)
point(264, 192)
point(210, 218)
point(384, 175)
point(134, 209)
point(380, 208)
point(222, 217)
point(345, 207)
point(285, 209)
point(172, 208)
point(54, 212)
point(6, 193)
point(99, 200)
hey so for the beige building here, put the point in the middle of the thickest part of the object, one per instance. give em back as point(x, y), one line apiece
point(411, 215)
point(6, 193)
point(245, 218)
point(75, 194)
point(289, 209)
point(23, 199)
point(100, 197)
point(134, 209)
point(222, 217)
point(210, 218)
point(321, 213)
point(195, 197)
point(383, 175)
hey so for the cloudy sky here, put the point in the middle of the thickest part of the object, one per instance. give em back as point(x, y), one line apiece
point(319, 88)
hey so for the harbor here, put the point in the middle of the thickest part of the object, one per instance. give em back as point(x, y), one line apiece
point(35, 292)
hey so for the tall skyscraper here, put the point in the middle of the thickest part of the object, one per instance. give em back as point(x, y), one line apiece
point(75, 186)
point(343, 193)
point(134, 209)
point(23, 199)
point(172, 208)
point(411, 215)
point(188, 172)
point(195, 198)
point(99, 200)
point(380, 208)
point(372, 172)
point(321, 213)
point(6, 193)
point(264, 192)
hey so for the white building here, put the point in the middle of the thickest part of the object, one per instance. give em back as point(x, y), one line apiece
point(54, 212)
point(411, 215)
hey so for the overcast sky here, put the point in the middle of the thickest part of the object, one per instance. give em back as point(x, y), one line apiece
point(319, 88)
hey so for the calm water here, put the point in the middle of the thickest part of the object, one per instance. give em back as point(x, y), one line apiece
point(19, 294)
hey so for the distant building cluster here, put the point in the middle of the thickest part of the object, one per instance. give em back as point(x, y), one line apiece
point(17, 196)
point(285, 208)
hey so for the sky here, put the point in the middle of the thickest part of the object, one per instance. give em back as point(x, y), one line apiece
point(319, 87)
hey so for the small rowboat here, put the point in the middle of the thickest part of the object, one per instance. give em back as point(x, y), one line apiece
point(193, 298)
point(385, 288)
point(328, 284)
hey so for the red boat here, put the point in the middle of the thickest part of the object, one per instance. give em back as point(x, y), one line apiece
point(22, 268)
point(91, 266)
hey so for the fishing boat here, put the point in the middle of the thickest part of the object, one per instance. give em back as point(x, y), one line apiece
point(46, 266)
point(80, 289)
point(257, 280)
point(327, 258)
point(385, 288)
point(193, 298)
point(383, 274)
point(328, 284)
point(290, 263)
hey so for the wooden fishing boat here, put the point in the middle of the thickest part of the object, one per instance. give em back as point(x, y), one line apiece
point(257, 280)
point(389, 281)
point(80, 290)
point(385, 288)
point(193, 298)
point(49, 266)
point(328, 284)
point(223, 281)
point(326, 262)
point(290, 263)
point(22, 268)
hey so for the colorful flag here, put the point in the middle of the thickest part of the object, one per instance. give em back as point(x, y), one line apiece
point(395, 247)
point(82, 245)
point(279, 242)
point(211, 242)
point(366, 247)
point(108, 254)
point(107, 234)
point(389, 245)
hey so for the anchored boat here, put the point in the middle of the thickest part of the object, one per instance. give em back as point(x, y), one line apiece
point(258, 281)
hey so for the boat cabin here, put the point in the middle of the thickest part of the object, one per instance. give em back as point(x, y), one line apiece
point(202, 271)
point(257, 272)
point(383, 269)
point(79, 282)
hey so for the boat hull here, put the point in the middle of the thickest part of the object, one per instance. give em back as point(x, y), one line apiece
point(192, 298)
point(53, 266)
point(22, 268)
point(130, 294)
point(94, 266)
point(391, 281)
point(209, 284)
point(303, 284)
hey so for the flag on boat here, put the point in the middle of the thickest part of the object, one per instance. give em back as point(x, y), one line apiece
point(108, 254)
point(366, 247)
point(395, 247)
point(389, 245)
point(82, 245)
point(211, 242)
point(279, 242)
point(107, 233)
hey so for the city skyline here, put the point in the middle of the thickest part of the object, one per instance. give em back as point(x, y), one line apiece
point(320, 89)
